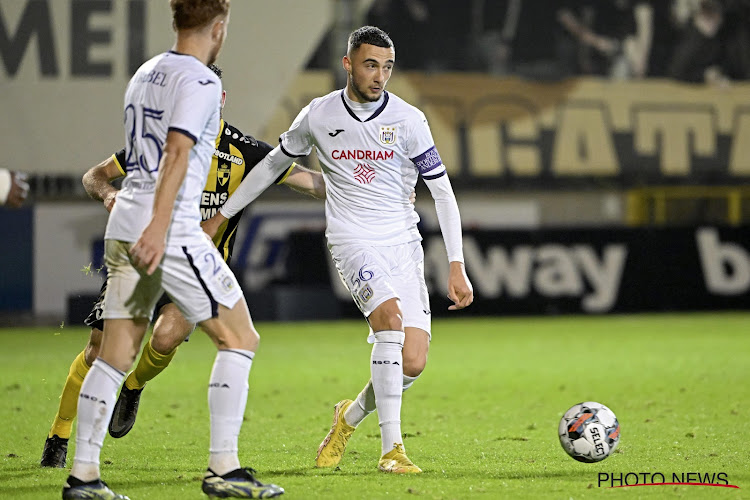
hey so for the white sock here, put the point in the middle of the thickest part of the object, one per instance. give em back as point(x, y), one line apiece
point(386, 369)
point(361, 407)
point(408, 381)
point(227, 397)
point(95, 406)
point(365, 402)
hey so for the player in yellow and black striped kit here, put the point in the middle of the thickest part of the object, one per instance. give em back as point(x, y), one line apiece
point(235, 155)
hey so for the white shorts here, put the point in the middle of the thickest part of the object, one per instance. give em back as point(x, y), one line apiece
point(376, 274)
point(195, 277)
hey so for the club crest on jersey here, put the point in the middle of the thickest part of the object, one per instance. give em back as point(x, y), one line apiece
point(388, 135)
point(223, 173)
point(365, 294)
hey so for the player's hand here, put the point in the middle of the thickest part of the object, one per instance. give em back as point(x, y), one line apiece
point(413, 197)
point(148, 251)
point(211, 226)
point(19, 189)
point(460, 290)
point(109, 200)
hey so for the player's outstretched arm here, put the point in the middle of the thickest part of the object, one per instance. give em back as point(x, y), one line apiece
point(149, 249)
point(263, 175)
point(306, 181)
point(97, 182)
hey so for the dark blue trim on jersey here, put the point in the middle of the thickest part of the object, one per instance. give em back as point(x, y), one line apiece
point(290, 155)
point(183, 132)
point(381, 108)
point(214, 304)
point(436, 176)
point(374, 115)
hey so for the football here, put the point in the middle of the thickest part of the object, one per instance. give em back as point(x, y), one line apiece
point(589, 432)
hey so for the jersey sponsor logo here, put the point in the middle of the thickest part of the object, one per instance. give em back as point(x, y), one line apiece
point(337, 132)
point(209, 199)
point(230, 158)
point(429, 160)
point(387, 135)
point(210, 203)
point(358, 154)
point(364, 173)
point(223, 173)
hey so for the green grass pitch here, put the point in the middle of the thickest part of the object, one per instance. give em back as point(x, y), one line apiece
point(481, 422)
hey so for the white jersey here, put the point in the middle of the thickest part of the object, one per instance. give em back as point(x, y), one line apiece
point(370, 165)
point(175, 92)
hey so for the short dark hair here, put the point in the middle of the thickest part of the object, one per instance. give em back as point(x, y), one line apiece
point(370, 35)
point(217, 70)
point(189, 14)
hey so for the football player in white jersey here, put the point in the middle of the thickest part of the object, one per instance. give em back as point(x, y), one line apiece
point(154, 243)
point(372, 146)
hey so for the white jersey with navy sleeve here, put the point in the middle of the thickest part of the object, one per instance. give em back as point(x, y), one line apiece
point(370, 165)
point(177, 92)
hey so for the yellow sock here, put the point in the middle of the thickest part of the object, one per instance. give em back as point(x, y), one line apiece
point(149, 366)
point(68, 408)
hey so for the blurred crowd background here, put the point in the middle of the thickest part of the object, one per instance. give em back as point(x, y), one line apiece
point(687, 40)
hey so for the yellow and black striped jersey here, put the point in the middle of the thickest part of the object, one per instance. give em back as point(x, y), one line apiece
point(234, 156)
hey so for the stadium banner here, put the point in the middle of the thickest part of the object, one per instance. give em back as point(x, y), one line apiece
point(585, 132)
point(516, 269)
point(570, 271)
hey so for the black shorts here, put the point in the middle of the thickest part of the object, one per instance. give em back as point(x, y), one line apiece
point(95, 320)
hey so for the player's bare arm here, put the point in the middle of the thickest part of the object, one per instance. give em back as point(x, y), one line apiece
point(306, 181)
point(97, 182)
point(211, 226)
point(149, 249)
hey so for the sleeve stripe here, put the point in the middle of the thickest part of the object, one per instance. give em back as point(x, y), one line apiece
point(184, 132)
point(290, 155)
point(430, 177)
point(117, 164)
point(283, 177)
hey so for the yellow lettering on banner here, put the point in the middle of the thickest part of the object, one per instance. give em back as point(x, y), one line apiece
point(490, 154)
point(739, 156)
point(523, 154)
point(583, 144)
point(667, 132)
point(484, 149)
point(445, 134)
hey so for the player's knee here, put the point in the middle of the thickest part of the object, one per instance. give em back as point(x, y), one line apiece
point(253, 340)
point(248, 340)
point(164, 344)
point(387, 316)
point(414, 363)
